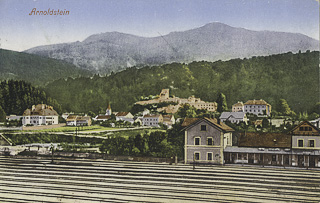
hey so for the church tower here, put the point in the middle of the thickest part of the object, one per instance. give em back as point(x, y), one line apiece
point(108, 111)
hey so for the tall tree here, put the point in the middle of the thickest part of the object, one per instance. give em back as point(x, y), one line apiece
point(2, 115)
point(222, 103)
point(284, 108)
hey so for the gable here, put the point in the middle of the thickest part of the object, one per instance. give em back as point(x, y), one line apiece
point(305, 128)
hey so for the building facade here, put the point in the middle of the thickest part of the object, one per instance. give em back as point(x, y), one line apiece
point(192, 101)
point(40, 114)
point(238, 107)
point(234, 117)
point(205, 140)
point(257, 107)
point(74, 120)
point(306, 145)
point(300, 147)
point(152, 120)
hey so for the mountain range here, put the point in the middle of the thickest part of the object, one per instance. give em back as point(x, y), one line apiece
point(114, 51)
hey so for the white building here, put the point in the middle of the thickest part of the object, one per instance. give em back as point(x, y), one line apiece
point(257, 107)
point(40, 114)
point(124, 116)
point(238, 107)
point(234, 117)
point(152, 120)
point(168, 120)
point(74, 120)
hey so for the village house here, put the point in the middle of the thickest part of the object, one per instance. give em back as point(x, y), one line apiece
point(13, 118)
point(40, 114)
point(168, 120)
point(238, 107)
point(124, 116)
point(74, 120)
point(257, 107)
point(101, 118)
point(152, 120)
point(192, 101)
point(205, 140)
point(234, 117)
point(316, 122)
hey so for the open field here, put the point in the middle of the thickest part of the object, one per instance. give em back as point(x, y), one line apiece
point(73, 129)
point(37, 180)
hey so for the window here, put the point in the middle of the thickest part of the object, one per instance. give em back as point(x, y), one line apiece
point(311, 143)
point(209, 156)
point(197, 141)
point(306, 128)
point(300, 143)
point(274, 158)
point(197, 156)
point(210, 141)
point(310, 129)
point(203, 128)
point(301, 129)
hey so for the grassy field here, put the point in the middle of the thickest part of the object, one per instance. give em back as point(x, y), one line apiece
point(73, 129)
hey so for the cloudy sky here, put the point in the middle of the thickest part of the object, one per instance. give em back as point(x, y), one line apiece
point(20, 31)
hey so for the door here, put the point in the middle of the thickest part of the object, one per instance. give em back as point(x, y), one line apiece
point(286, 160)
point(312, 162)
point(300, 160)
point(251, 159)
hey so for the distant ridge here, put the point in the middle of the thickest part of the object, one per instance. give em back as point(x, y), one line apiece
point(35, 69)
point(114, 51)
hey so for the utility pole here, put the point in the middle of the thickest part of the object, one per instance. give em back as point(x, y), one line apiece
point(52, 153)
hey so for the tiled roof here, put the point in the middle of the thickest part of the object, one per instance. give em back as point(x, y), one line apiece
point(238, 104)
point(41, 110)
point(103, 117)
point(190, 121)
point(152, 116)
point(256, 102)
point(305, 122)
point(272, 140)
point(122, 113)
point(238, 115)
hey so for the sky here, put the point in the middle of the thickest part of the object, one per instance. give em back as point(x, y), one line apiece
point(149, 18)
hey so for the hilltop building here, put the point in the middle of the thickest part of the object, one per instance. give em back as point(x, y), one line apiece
point(257, 107)
point(192, 101)
point(238, 107)
point(40, 114)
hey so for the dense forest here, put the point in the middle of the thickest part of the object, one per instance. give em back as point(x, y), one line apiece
point(17, 96)
point(35, 69)
point(293, 77)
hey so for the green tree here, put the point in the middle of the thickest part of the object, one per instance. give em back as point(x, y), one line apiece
point(222, 103)
point(2, 115)
point(284, 108)
point(187, 111)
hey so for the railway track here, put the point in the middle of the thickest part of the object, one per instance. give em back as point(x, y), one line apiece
point(32, 180)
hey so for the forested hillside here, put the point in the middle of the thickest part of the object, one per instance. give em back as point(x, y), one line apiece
point(17, 96)
point(35, 69)
point(293, 77)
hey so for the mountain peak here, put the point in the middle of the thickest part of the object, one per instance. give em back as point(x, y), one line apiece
point(110, 51)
